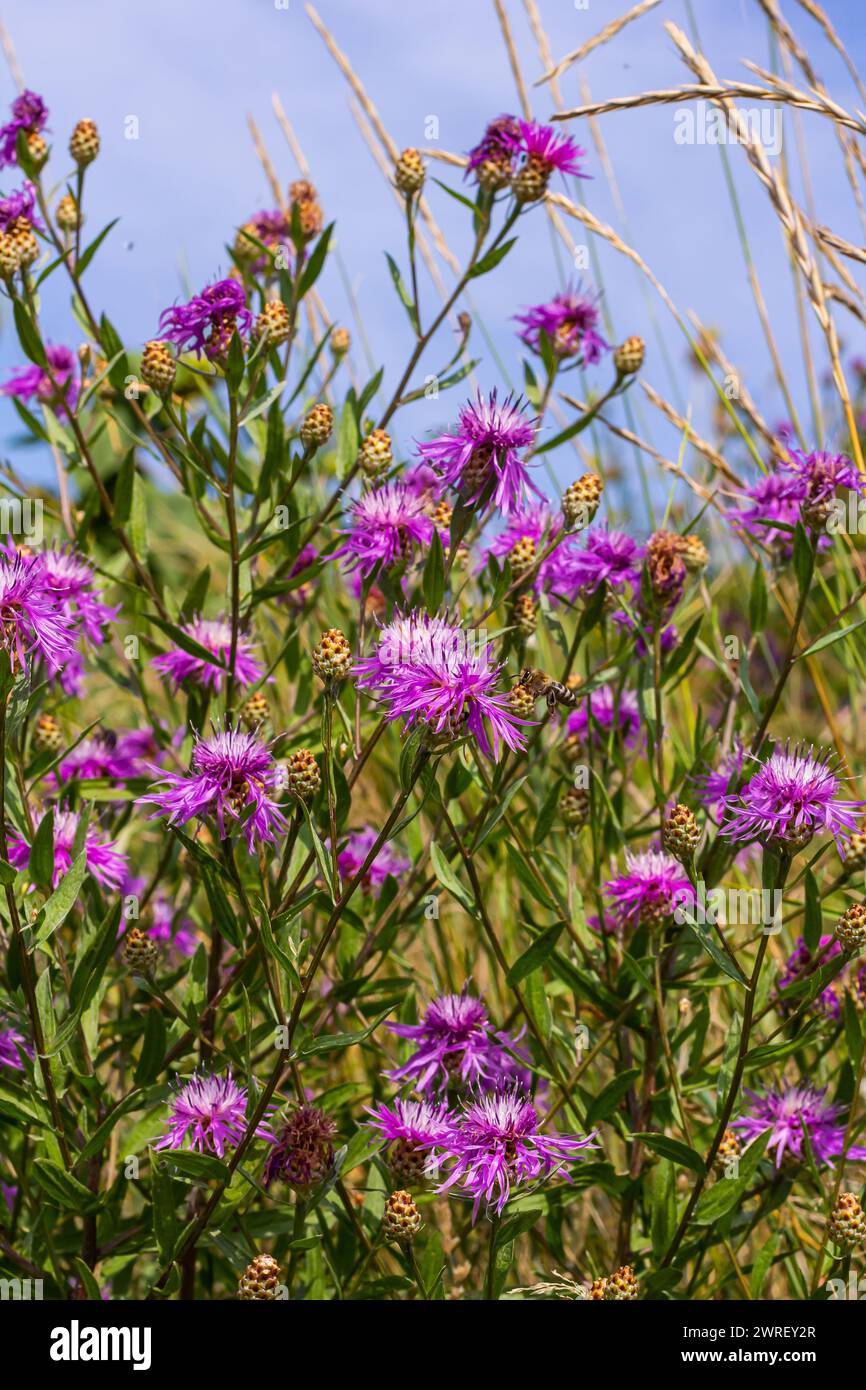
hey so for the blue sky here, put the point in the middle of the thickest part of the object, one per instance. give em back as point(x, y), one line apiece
point(191, 73)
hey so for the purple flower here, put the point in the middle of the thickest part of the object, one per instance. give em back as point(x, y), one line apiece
point(774, 498)
point(537, 523)
point(12, 1044)
point(551, 149)
point(457, 1042)
point(115, 756)
point(29, 113)
point(482, 458)
point(273, 230)
point(645, 636)
point(388, 863)
point(69, 579)
point(209, 320)
point(421, 1123)
point(500, 145)
point(787, 1114)
point(819, 476)
point(608, 711)
point(30, 623)
point(715, 784)
point(31, 381)
point(801, 963)
point(791, 798)
point(649, 891)
point(215, 635)
point(303, 1156)
point(606, 557)
point(389, 524)
point(208, 1114)
point(20, 203)
point(104, 861)
point(570, 321)
point(429, 669)
point(425, 481)
point(411, 1128)
point(231, 778)
point(496, 1145)
point(179, 937)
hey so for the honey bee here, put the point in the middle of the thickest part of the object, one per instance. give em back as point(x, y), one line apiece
point(540, 685)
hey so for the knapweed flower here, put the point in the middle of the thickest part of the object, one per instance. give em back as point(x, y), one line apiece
point(482, 458)
point(791, 798)
point(105, 754)
point(801, 964)
point(177, 934)
point(389, 525)
point(820, 476)
point(29, 113)
point(644, 632)
point(458, 1044)
point(59, 380)
point(430, 669)
point(537, 525)
point(653, 886)
point(107, 864)
point(570, 320)
point(388, 863)
point(12, 1044)
point(496, 1145)
point(790, 1112)
point(231, 778)
point(304, 1153)
point(31, 625)
point(209, 1114)
point(605, 557)
point(70, 579)
point(716, 783)
point(20, 203)
point(208, 321)
point(494, 159)
point(602, 711)
point(215, 636)
point(551, 149)
point(273, 229)
point(771, 510)
point(411, 1128)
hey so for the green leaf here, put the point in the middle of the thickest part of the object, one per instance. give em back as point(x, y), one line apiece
point(28, 335)
point(758, 600)
point(534, 957)
point(718, 1200)
point(201, 1167)
point(762, 1265)
point(491, 260)
point(152, 1049)
point(499, 811)
point(813, 915)
point(449, 880)
point(610, 1096)
point(87, 255)
point(721, 958)
point(41, 863)
point(62, 900)
point(313, 268)
point(673, 1149)
point(433, 582)
point(331, 1042)
point(405, 297)
point(61, 1187)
